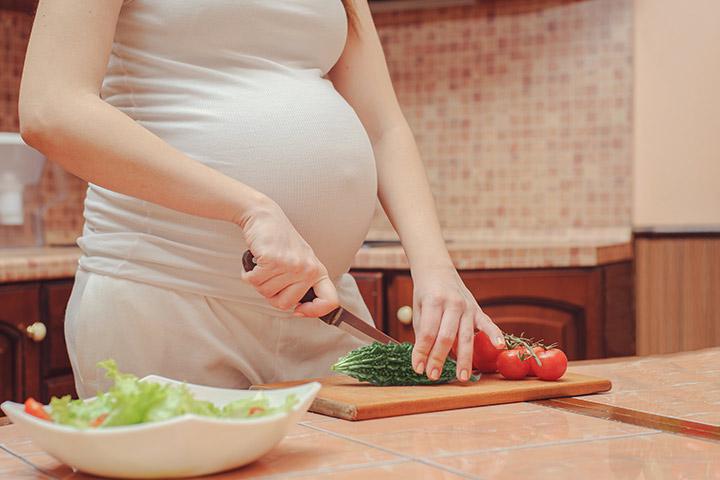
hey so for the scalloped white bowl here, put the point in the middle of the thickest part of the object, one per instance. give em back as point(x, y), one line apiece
point(184, 446)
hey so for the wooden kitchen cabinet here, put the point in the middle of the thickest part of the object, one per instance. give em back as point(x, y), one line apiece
point(587, 311)
point(34, 363)
point(371, 288)
point(19, 355)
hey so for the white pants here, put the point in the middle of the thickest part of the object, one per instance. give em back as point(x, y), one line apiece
point(152, 330)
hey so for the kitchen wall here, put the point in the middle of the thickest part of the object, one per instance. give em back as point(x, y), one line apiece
point(63, 219)
point(677, 174)
point(522, 111)
point(677, 114)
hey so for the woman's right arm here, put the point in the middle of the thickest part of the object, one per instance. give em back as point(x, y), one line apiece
point(63, 116)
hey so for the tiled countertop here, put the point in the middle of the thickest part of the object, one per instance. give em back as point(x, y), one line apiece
point(22, 264)
point(507, 248)
point(521, 440)
point(681, 385)
point(468, 249)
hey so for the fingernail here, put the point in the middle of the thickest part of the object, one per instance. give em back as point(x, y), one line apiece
point(420, 368)
point(435, 374)
point(464, 375)
point(500, 341)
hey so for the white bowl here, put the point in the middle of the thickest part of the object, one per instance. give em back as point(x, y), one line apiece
point(188, 445)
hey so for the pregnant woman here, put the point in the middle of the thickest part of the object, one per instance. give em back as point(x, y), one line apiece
point(205, 128)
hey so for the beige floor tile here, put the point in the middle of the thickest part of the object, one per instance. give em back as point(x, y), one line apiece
point(311, 451)
point(403, 470)
point(473, 429)
point(313, 418)
point(11, 434)
point(12, 467)
point(656, 457)
point(303, 449)
point(682, 385)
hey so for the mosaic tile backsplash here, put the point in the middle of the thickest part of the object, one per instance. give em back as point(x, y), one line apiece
point(522, 110)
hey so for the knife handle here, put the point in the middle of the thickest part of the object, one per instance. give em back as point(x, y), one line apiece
point(248, 262)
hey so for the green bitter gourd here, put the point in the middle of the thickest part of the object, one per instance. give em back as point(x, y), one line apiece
point(389, 364)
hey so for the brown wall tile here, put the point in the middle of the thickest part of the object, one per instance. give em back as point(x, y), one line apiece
point(521, 109)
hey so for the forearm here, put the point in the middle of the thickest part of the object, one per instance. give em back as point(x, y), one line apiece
point(405, 195)
point(102, 145)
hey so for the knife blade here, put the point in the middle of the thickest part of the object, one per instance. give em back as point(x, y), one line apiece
point(339, 317)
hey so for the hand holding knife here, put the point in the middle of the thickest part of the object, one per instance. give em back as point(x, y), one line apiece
point(339, 317)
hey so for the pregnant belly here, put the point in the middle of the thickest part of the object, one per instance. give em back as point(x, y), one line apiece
point(298, 142)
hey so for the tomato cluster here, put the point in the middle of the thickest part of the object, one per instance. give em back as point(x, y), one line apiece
point(516, 363)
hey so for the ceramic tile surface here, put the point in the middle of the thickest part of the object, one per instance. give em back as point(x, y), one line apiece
point(303, 450)
point(38, 263)
point(466, 253)
point(477, 429)
point(512, 440)
point(653, 456)
point(13, 467)
point(508, 249)
point(683, 385)
point(521, 110)
point(396, 470)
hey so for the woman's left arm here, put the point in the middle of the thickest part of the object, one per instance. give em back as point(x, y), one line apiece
point(444, 311)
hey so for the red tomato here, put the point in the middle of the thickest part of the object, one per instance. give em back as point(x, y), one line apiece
point(484, 352)
point(511, 366)
point(36, 409)
point(254, 410)
point(554, 364)
point(537, 351)
point(99, 420)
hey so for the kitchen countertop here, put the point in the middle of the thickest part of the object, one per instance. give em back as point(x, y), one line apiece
point(468, 249)
point(521, 440)
point(41, 263)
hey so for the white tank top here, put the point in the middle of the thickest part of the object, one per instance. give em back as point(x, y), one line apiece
point(240, 86)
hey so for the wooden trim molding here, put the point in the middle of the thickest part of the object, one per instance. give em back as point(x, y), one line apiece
point(677, 234)
point(634, 417)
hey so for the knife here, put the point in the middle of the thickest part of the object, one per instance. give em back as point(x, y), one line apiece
point(339, 317)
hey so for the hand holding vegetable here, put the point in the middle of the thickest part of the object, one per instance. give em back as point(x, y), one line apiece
point(445, 313)
point(389, 365)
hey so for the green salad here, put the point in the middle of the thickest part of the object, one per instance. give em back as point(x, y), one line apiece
point(130, 401)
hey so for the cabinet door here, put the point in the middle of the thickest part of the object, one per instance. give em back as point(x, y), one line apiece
point(19, 365)
point(541, 322)
point(399, 308)
point(55, 365)
point(370, 285)
point(559, 306)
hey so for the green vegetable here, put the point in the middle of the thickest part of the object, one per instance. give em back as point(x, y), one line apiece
point(130, 401)
point(389, 364)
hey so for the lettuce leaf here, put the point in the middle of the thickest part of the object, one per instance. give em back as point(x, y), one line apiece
point(130, 401)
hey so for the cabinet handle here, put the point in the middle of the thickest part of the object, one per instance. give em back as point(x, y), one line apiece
point(36, 332)
point(405, 314)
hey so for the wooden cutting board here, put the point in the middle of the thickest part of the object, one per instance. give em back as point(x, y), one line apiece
point(344, 397)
